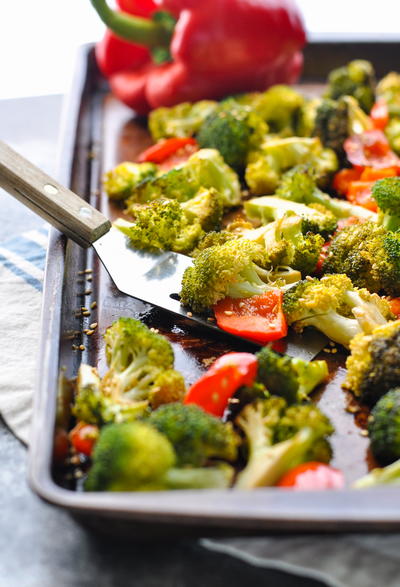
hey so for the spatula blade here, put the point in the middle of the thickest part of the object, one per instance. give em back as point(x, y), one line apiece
point(156, 278)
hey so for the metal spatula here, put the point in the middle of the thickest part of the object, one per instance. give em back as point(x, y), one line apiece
point(150, 277)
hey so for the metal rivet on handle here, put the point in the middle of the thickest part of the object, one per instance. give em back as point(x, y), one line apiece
point(85, 212)
point(50, 189)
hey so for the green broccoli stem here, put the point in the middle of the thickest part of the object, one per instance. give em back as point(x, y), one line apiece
point(336, 327)
point(387, 475)
point(340, 208)
point(139, 30)
point(267, 465)
point(389, 222)
point(250, 285)
point(199, 478)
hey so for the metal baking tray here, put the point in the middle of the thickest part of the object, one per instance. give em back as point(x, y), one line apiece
point(99, 132)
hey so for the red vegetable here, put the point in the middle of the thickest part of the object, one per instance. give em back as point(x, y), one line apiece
point(395, 306)
point(370, 148)
point(259, 318)
point(360, 193)
point(312, 476)
point(217, 48)
point(83, 437)
point(213, 390)
point(380, 114)
point(343, 179)
point(162, 150)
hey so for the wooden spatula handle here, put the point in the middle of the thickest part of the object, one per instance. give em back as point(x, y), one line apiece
point(53, 202)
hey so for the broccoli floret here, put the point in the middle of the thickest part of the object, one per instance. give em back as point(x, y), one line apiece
point(373, 367)
point(232, 269)
point(369, 255)
point(211, 239)
point(169, 387)
point(120, 181)
point(384, 428)
point(182, 120)
point(299, 185)
point(206, 207)
point(195, 435)
point(134, 456)
point(389, 475)
point(233, 130)
point(392, 131)
point(357, 79)
point(204, 169)
point(286, 245)
point(335, 307)
point(162, 225)
point(389, 89)
point(292, 378)
point(269, 458)
point(277, 155)
point(315, 217)
point(387, 195)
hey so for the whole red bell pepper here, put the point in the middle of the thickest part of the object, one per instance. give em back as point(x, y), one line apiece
point(215, 48)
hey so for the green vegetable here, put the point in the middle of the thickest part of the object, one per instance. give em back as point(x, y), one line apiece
point(140, 374)
point(335, 307)
point(369, 255)
point(389, 475)
point(134, 456)
point(384, 428)
point(277, 155)
point(182, 120)
point(292, 378)
point(120, 181)
point(264, 423)
point(195, 435)
point(387, 195)
point(357, 79)
point(206, 207)
point(373, 367)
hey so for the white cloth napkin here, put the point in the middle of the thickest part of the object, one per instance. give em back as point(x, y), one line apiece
point(336, 560)
point(22, 260)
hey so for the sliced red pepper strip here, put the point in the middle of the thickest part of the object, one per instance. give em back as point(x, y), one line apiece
point(395, 306)
point(343, 179)
point(162, 150)
point(212, 391)
point(372, 174)
point(259, 318)
point(360, 193)
point(370, 148)
point(83, 437)
point(312, 476)
point(380, 114)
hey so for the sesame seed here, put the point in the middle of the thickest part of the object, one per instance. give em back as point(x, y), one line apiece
point(88, 271)
point(364, 432)
point(93, 305)
point(86, 331)
point(228, 313)
point(189, 314)
point(87, 292)
point(87, 313)
point(352, 409)
point(78, 474)
point(81, 272)
point(83, 309)
point(210, 319)
point(326, 350)
point(74, 347)
point(309, 278)
point(93, 325)
point(89, 332)
point(333, 351)
point(82, 347)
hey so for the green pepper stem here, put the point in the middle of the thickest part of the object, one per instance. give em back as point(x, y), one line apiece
point(139, 30)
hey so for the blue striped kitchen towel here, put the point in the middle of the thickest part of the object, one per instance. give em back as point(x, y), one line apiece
point(22, 261)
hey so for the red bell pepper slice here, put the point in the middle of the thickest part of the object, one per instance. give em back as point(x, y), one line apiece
point(395, 306)
point(343, 179)
point(360, 193)
point(165, 148)
point(214, 389)
point(258, 318)
point(372, 174)
point(370, 148)
point(312, 476)
point(380, 114)
point(137, 7)
point(83, 437)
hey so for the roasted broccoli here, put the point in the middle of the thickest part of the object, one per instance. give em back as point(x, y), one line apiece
point(357, 79)
point(134, 456)
point(204, 169)
point(120, 181)
point(373, 367)
point(384, 428)
point(195, 435)
point(389, 475)
point(232, 269)
point(292, 378)
point(315, 217)
point(161, 225)
point(335, 307)
point(206, 207)
point(140, 374)
point(182, 120)
point(387, 195)
point(299, 185)
point(277, 155)
point(392, 131)
point(264, 423)
point(369, 255)
point(233, 130)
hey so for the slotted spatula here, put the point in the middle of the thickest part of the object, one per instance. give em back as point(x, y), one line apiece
point(150, 277)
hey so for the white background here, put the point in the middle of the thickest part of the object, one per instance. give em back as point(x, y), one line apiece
point(39, 38)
